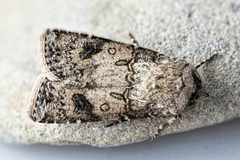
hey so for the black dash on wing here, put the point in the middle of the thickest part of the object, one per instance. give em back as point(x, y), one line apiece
point(122, 62)
point(117, 95)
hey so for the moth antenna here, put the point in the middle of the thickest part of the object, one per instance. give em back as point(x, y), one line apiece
point(207, 60)
point(135, 43)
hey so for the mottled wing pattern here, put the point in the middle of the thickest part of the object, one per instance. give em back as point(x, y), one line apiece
point(87, 78)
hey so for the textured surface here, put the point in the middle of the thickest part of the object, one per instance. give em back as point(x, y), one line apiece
point(184, 29)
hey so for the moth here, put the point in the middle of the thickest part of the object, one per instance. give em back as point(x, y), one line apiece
point(87, 79)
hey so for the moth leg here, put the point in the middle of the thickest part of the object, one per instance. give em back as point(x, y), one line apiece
point(112, 123)
point(135, 43)
point(161, 126)
point(123, 118)
point(207, 60)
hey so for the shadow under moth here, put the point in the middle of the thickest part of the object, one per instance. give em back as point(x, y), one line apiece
point(87, 79)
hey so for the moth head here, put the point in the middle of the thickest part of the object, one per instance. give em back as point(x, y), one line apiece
point(197, 92)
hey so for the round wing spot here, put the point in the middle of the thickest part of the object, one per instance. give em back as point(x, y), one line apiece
point(104, 107)
point(112, 51)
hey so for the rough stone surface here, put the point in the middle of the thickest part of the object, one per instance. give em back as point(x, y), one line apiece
point(190, 30)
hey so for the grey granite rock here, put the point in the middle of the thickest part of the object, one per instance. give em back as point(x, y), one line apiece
point(190, 30)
